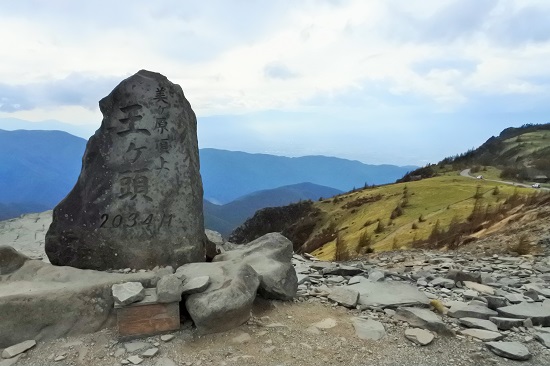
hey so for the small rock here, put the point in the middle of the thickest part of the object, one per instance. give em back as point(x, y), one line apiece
point(479, 324)
point(543, 338)
point(169, 289)
point(127, 293)
point(368, 329)
point(242, 338)
point(135, 360)
point(167, 337)
point(136, 346)
point(326, 323)
point(344, 296)
point(151, 352)
point(19, 348)
point(511, 350)
point(463, 310)
point(484, 289)
point(419, 336)
point(482, 334)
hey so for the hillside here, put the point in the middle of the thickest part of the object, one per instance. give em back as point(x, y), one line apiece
point(444, 211)
point(520, 154)
point(225, 218)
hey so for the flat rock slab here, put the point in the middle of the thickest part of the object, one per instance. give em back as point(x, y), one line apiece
point(127, 293)
point(539, 313)
point(41, 302)
point(19, 348)
point(423, 318)
point(368, 329)
point(389, 294)
point(344, 296)
point(479, 324)
point(484, 289)
point(464, 310)
point(506, 323)
point(341, 270)
point(512, 350)
point(419, 336)
point(543, 338)
point(482, 334)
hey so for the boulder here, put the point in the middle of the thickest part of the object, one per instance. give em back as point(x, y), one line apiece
point(539, 313)
point(512, 350)
point(270, 256)
point(41, 302)
point(227, 301)
point(389, 294)
point(423, 318)
point(169, 289)
point(10, 259)
point(138, 200)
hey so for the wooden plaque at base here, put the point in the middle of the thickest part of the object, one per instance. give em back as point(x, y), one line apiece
point(147, 317)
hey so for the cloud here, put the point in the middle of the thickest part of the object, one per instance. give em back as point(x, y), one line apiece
point(277, 70)
point(74, 90)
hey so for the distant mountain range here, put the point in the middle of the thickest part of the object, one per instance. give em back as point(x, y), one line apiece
point(225, 218)
point(38, 168)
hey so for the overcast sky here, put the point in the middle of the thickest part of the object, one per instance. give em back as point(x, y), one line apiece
point(389, 81)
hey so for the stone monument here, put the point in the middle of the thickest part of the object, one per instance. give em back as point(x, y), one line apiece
point(138, 200)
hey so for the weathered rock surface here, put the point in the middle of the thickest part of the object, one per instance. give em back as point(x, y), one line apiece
point(195, 285)
point(423, 318)
point(228, 300)
point(270, 256)
point(511, 350)
point(539, 313)
point(368, 329)
point(482, 334)
point(479, 324)
point(169, 289)
point(389, 294)
point(127, 293)
point(138, 200)
point(17, 349)
point(419, 336)
point(464, 310)
point(344, 296)
point(40, 301)
point(10, 259)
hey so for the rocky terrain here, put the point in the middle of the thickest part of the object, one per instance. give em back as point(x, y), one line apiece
point(393, 308)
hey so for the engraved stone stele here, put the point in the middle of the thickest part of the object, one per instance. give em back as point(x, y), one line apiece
point(138, 200)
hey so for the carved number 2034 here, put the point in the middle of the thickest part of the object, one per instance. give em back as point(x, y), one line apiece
point(132, 220)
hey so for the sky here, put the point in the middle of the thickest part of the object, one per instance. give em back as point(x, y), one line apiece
point(381, 81)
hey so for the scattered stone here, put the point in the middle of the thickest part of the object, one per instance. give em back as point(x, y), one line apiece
point(344, 296)
point(341, 270)
point(125, 182)
point(543, 338)
point(167, 337)
point(484, 289)
point(512, 350)
point(60, 358)
point(443, 282)
point(506, 323)
point(376, 276)
point(368, 329)
point(270, 256)
point(495, 302)
point(242, 338)
point(135, 360)
point(419, 336)
point(463, 310)
point(326, 323)
point(539, 290)
point(482, 334)
point(17, 349)
point(169, 289)
point(165, 362)
point(479, 324)
point(128, 293)
point(196, 285)
point(514, 298)
point(538, 312)
point(132, 347)
point(151, 352)
point(423, 318)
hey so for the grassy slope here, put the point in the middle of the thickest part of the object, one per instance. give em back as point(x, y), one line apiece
point(440, 198)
